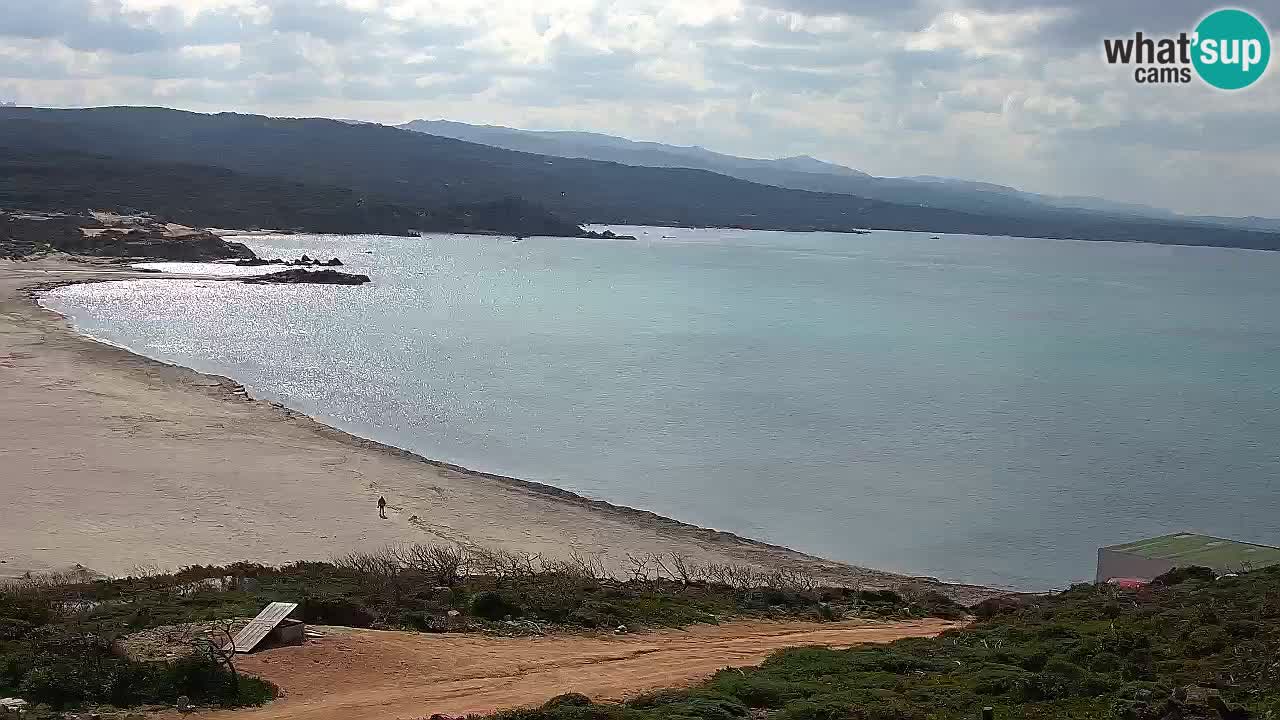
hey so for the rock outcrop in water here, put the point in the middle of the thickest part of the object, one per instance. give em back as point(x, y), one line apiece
point(318, 277)
point(303, 261)
point(605, 235)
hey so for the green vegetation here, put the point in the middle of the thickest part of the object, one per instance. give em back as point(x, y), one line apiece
point(60, 638)
point(1187, 647)
point(57, 651)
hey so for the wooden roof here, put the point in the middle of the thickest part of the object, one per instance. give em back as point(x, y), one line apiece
point(258, 628)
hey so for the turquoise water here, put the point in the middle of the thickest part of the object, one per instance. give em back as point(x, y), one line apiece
point(973, 408)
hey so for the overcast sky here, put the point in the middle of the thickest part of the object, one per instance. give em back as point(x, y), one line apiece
point(1007, 91)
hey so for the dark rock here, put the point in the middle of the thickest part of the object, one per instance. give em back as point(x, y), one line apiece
point(306, 261)
point(257, 262)
point(319, 277)
point(605, 235)
point(303, 261)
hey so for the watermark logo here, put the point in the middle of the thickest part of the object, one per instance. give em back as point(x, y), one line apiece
point(1229, 49)
point(1234, 49)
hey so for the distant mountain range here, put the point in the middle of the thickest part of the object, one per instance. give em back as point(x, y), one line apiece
point(595, 146)
point(320, 174)
point(807, 173)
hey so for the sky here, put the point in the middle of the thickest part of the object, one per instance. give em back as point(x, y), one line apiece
point(1008, 91)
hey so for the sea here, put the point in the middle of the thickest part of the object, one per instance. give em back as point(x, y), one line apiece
point(980, 409)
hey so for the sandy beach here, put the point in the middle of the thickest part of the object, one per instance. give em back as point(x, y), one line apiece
point(118, 462)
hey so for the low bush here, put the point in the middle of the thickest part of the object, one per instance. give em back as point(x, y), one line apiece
point(69, 665)
point(492, 605)
point(58, 635)
point(335, 611)
point(567, 700)
point(1179, 575)
point(1194, 649)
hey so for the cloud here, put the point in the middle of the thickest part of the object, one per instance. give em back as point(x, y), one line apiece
point(83, 25)
point(1007, 91)
point(328, 19)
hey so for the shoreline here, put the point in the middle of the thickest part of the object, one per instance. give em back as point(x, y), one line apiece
point(523, 515)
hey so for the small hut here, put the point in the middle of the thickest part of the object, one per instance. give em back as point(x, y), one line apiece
point(273, 625)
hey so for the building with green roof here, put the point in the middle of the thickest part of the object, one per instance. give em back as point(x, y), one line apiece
point(1145, 559)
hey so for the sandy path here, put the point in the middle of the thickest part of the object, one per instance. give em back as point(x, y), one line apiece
point(115, 461)
point(356, 674)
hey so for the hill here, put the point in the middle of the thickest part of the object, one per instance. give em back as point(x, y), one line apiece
point(808, 173)
point(597, 146)
point(37, 173)
point(419, 170)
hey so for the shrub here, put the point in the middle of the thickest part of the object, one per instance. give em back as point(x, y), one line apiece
point(1036, 687)
point(756, 690)
point(441, 564)
point(492, 605)
point(1179, 575)
point(765, 598)
point(1206, 641)
point(1064, 668)
point(994, 606)
point(1244, 628)
point(1000, 680)
point(123, 682)
point(567, 700)
point(56, 685)
point(805, 710)
point(707, 706)
point(1106, 662)
point(881, 597)
point(335, 611)
point(597, 614)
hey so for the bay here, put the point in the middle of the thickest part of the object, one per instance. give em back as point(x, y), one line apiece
point(973, 408)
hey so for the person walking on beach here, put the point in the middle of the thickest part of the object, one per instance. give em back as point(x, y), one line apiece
point(382, 507)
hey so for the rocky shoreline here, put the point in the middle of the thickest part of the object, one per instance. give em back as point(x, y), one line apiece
point(295, 276)
point(131, 238)
point(127, 237)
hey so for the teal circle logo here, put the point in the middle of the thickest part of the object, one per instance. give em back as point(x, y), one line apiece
point(1232, 48)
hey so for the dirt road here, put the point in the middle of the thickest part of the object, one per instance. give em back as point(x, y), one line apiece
point(359, 674)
